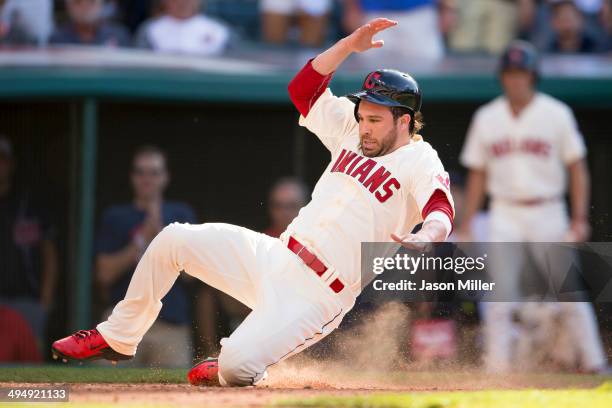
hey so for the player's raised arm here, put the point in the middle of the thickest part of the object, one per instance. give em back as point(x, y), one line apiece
point(310, 83)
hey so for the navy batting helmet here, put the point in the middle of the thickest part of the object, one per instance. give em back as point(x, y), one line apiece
point(520, 55)
point(390, 88)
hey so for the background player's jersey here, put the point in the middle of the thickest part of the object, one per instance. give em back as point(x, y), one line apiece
point(360, 199)
point(525, 156)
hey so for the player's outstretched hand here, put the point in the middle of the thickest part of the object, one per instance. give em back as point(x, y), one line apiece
point(362, 39)
point(412, 241)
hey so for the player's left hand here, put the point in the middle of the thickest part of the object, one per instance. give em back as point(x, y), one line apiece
point(412, 241)
point(580, 231)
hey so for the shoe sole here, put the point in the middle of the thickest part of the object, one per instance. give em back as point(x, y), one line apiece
point(110, 355)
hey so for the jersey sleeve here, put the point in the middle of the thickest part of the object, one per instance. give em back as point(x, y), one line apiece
point(572, 142)
point(429, 179)
point(474, 154)
point(331, 118)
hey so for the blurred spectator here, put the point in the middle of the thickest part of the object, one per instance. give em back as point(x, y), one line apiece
point(25, 21)
point(418, 33)
point(88, 27)
point(286, 198)
point(591, 10)
point(606, 19)
point(569, 34)
point(28, 265)
point(489, 25)
point(125, 232)
point(312, 17)
point(590, 7)
point(17, 343)
point(135, 12)
point(182, 29)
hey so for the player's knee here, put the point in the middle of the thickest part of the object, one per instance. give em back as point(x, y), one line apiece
point(171, 232)
point(235, 370)
point(168, 238)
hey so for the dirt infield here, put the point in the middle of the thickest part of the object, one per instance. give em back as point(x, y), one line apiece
point(186, 395)
point(291, 382)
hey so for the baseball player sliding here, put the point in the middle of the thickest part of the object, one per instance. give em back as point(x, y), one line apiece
point(382, 180)
point(520, 149)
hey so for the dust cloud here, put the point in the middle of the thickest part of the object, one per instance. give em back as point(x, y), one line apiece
point(376, 344)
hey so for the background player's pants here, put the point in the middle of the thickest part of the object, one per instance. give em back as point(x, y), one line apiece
point(292, 307)
point(542, 223)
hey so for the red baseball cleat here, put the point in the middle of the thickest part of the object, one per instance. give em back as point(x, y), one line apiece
point(85, 345)
point(205, 372)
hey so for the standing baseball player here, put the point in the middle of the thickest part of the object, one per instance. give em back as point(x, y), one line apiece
point(382, 180)
point(520, 149)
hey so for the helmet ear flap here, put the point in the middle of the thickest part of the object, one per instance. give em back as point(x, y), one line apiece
point(356, 111)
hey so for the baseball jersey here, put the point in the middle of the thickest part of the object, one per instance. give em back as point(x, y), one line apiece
point(525, 157)
point(362, 199)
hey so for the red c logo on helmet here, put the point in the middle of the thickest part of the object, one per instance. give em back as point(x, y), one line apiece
point(369, 83)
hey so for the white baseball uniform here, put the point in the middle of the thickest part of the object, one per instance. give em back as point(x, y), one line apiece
point(290, 7)
point(197, 35)
point(525, 160)
point(357, 199)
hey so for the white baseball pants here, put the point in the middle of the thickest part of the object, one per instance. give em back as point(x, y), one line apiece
point(540, 223)
point(292, 307)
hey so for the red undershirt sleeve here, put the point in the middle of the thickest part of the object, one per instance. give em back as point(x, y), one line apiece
point(306, 87)
point(438, 202)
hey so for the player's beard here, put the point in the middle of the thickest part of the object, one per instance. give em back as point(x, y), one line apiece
point(384, 146)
